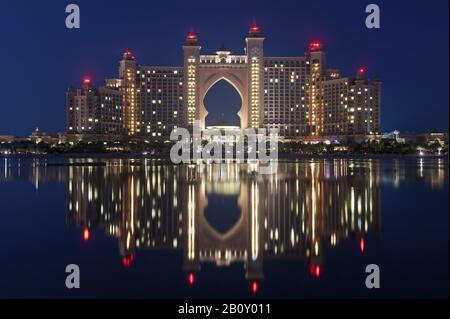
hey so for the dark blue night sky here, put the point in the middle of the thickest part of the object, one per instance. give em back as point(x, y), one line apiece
point(41, 58)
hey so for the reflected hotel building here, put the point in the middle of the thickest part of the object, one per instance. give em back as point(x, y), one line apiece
point(225, 213)
point(298, 213)
point(300, 96)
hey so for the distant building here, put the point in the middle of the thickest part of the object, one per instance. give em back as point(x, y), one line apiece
point(40, 137)
point(6, 138)
point(393, 136)
point(427, 138)
point(95, 110)
point(36, 137)
point(299, 96)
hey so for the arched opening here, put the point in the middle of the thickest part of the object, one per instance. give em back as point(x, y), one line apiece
point(222, 212)
point(222, 191)
point(223, 102)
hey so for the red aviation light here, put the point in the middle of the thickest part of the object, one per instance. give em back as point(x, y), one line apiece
point(86, 80)
point(129, 55)
point(86, 234)
point(362, 71)
point(362, 245)
point(254, 28)
point(191, 37)
point(255, 287)
point(315, 46)
point(191, 279)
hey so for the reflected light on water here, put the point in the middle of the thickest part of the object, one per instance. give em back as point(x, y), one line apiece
point(255, 287)
point(86, 234)
point(191, 278)
point(305, 209)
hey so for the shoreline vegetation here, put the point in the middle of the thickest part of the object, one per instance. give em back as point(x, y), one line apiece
point(161, 150)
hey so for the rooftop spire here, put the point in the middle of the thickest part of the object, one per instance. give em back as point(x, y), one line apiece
point(128, 55)
point(315, 46)
point(191, 38)
point(254, 30)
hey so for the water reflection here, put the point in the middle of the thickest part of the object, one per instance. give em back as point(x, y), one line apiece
point(301, 212)
point(297, 213)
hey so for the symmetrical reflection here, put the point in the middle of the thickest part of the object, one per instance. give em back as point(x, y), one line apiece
point(301, 212)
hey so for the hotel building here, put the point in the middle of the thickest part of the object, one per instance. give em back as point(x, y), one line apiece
point(95, 110)
point(299, 96)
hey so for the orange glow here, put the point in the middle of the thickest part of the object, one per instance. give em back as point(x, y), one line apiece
point(362, 245)
point(255, 287)
point(191, 278)
point(86, 234)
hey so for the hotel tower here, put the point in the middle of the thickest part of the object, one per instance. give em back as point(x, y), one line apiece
point(299, 96)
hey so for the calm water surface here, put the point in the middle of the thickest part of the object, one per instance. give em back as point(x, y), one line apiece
point(145, 228)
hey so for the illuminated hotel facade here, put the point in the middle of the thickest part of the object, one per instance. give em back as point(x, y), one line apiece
point(299, 96)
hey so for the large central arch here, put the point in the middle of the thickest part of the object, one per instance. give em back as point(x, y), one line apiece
point(236, 76)
point(244, 72)
point(222, 102)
